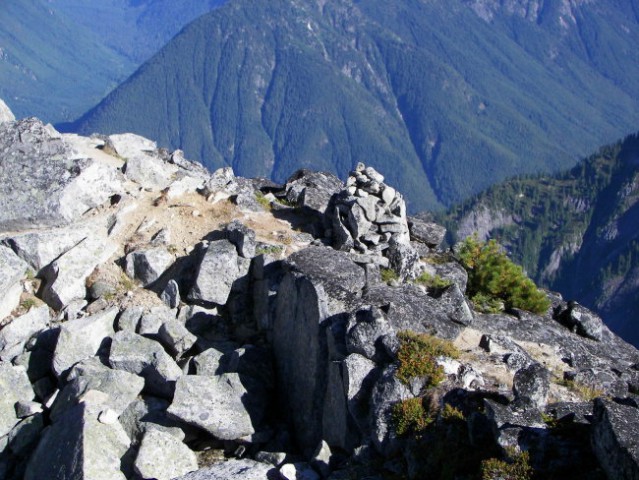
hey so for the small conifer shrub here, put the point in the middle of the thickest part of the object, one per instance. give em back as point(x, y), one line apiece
point(417, 356)
point(495, 282)
point(515, 467)
point(410, 417)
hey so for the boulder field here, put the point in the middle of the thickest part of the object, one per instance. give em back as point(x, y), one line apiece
point(159, 321)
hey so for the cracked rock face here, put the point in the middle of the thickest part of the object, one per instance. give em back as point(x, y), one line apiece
point(54, 187)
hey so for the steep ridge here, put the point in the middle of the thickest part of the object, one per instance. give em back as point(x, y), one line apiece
point(49, 66)
point(448, 97)
point(59, 58)
point(574, 232)
point(137, 29)
point(159, 321)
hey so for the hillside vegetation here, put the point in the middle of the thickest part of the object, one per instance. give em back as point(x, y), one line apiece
point(136, 29)
point(59, 58)
point(51, 67)
point(448, 97)
point(574, 232)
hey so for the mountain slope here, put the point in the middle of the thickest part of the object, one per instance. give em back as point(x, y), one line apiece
point(60, 57)
point(51, 67)
point(574, 232)
point(448, 96)
point(135, 28)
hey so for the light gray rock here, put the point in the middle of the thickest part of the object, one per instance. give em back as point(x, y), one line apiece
point(321, 459)
point(82, 338)
point(357, 222)
point(121, 387)
point(246, 199)
point(242, 237)
point(147, 169)
point(12, 271)
point(171, 294)
point(370, 207)
point(403, 259)
point(373, 175)
point(364, 332)
point(244, 469)
point(129, 319)
point(162, 457)
point(614, 439)
point(163, 237)
point(531, 385)
point(214, 404)
point(312, 191)
point(148, 413)
point(404, 308)
point(453, 272)
point(129, 144)
point(26, 409)
point(139, 355)
point(387, 391)
point(583, 321)
point(217, 273)
point(24, 437)
point(221, 181)
point(79, 446)
point(6, 115)
point(456, 305)
point(209, 362)
point(151, 321)
point(428, 233)
point(148, 265)
point(184, 183)
point(100, 290)
point(15, 386)
point(15, 335)
point(298, 471)
point(41, 248)
point(508, 423)
point(359, 376)
point(272, 458)
point(42, 180)
point(65, 278)
point(175, 336)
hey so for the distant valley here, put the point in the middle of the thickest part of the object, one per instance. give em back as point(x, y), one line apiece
point(575, 232)
point(58, 58)
point(446, 98)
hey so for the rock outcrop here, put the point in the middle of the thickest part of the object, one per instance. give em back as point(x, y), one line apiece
point(166, 323)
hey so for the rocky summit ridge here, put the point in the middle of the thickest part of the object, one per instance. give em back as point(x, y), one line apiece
point(160, 321)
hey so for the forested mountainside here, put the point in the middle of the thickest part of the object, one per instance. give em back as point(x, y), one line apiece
point(574, 232)
point(58, 58)
point(50, 66)
point(447, 96)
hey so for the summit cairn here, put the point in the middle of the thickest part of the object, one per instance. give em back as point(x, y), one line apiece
point(369, 214)
point(369, 219)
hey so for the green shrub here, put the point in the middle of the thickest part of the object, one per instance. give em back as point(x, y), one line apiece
point(410, 417)
point(585, 392)
point(452, 414)
point(492, 278)
point(417, 356)
point(432, 281)
point(516, 467)
point(274, 250)
point(388, 275)
point(28, 303)
point(262, 200)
